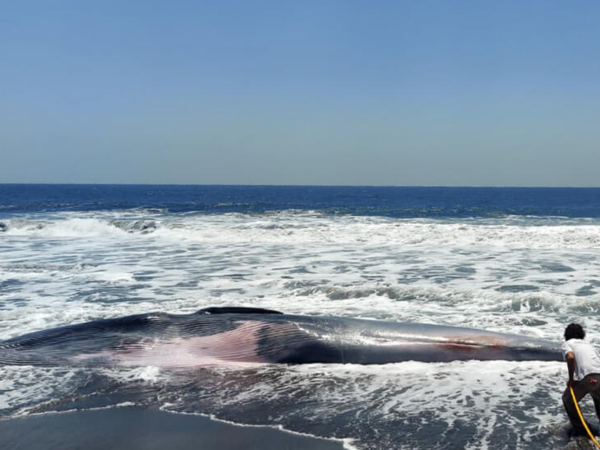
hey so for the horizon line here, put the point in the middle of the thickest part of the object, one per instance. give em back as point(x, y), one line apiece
point(306, 185)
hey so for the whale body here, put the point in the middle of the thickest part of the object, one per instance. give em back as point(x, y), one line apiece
point(250, 336)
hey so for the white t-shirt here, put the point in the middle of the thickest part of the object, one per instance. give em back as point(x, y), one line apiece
point(587, 359)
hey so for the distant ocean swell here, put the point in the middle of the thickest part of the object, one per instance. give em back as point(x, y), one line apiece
point(398, 202)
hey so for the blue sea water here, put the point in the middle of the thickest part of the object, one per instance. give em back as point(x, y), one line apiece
point(518, 260)
point(398, 202)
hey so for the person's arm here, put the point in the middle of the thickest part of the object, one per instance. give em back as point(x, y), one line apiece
point(570, 358)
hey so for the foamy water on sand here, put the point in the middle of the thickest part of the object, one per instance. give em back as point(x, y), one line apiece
point(512, 274)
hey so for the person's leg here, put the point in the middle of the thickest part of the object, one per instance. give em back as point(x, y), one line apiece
point(595, 393)
point(597, 404)
point(580, 388)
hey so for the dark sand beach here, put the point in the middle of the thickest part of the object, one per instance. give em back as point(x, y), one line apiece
point(134, 428)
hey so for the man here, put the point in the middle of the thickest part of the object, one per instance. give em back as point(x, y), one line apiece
point(583, 362)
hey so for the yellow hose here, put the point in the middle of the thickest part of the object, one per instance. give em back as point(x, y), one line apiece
point(582, 419)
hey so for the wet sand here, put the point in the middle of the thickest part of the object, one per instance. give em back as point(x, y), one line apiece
point(133, 428)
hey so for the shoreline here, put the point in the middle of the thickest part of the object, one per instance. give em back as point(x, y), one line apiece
point(147, 429)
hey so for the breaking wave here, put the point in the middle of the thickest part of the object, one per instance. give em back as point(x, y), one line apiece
point(75, 227)
point(285, 228)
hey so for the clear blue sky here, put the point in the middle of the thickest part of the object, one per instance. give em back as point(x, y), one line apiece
point(462, 92)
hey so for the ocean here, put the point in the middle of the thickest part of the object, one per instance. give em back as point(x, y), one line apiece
point(512, 260)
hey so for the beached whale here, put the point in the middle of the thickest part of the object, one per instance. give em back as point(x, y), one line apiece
point(239, 336)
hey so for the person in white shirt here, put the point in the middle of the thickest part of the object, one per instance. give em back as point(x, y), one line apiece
point(583, 362)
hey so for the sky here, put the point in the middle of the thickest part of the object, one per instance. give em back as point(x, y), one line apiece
point(441, 93)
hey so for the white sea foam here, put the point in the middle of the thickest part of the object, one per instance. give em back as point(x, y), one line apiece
point(413, 405)
point(301, 228)
point(23, 386)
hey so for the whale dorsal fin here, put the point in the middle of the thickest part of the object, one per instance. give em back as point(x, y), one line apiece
point(236, 310)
